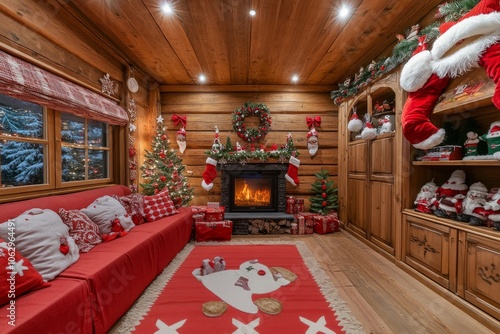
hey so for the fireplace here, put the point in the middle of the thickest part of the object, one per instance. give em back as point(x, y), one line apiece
point(259, 187)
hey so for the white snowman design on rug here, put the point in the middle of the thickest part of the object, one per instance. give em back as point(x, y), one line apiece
point(236, 287)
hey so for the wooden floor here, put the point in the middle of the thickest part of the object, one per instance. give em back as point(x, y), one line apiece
point(382, 296)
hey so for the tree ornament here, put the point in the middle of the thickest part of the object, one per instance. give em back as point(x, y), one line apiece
point(251, 109)
point(163, 178)
point(323, 195)
point(164, 136)
point(324, 203)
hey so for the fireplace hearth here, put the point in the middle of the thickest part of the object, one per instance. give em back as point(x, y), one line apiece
point(254, 196)
point(259, 187)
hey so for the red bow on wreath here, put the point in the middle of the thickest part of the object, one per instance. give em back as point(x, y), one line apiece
point(179, 119)
point(313, 121)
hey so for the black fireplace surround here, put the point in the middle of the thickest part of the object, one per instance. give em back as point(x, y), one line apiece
point(272, 173)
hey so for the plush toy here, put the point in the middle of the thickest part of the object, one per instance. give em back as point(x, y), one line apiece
point(473, 205)
point(492, 206)
point(354, 124)
point(427, 73)
point(425, 196)
point(369, 132)
point(450, 195)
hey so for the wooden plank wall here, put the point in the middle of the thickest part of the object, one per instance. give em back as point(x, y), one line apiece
point(289, 109)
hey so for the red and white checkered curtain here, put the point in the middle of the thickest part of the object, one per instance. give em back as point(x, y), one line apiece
point(27, 82)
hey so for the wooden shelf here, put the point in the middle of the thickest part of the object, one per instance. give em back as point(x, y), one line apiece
point(477, 230)
point(484, 163)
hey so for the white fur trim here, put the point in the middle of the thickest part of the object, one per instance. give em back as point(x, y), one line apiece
point(464, 59)
point(483, 24)
point(368, 133)
point(294, 161)
point(432, 141)
point(416, 71)
point(211, 161)
point(289, 179)
point(494, 217)
point(206, 186)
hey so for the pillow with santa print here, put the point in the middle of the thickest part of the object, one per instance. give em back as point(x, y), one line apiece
point(41, 237)
point(17, 272)
point(158, 206)
point(104, 210)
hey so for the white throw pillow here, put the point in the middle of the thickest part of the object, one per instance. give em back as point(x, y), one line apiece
point(42, 237)
point(104, 210)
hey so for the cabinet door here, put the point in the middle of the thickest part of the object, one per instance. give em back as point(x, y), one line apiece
point(356, 209)
point(381, 156)
point(357, 154)
point(482, 273)
point(431, 249)
point(382, 232)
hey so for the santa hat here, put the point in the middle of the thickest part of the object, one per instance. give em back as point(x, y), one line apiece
point(494, 130)
point(482, 21)
point(181, 132)
point(369, 132)
point(312, 133)
point(456, 181)
point(479, 187)
point(355, 124)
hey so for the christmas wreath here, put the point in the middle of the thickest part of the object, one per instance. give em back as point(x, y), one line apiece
point(251, 109)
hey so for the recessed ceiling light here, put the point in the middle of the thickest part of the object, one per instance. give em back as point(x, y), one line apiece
point(167, 8)
point(295, 78)
point(252, 12)
point(344, 11)
point(202, 78)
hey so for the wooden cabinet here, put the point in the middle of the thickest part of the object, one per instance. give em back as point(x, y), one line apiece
point(370, 187)
point(461, 258)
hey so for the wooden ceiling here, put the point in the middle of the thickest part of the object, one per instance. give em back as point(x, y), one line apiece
point(221, 40)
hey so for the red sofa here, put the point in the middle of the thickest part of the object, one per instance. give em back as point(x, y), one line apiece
point(93, 293)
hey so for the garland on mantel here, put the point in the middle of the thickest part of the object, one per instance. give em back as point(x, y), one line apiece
point(402, 51)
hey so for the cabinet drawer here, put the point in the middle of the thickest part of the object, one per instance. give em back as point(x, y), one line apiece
point(481, 273)
point(431, 249)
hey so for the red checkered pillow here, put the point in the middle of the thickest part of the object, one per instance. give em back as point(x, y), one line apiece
point(158, 206)
point(17, 274)
point(83, 230)
point(134, 205)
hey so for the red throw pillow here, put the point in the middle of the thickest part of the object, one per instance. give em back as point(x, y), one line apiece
point(134, 205)
point(158, 206)
point(83, 230)
point(16, 274)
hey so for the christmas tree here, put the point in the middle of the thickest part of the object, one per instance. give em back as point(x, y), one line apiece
point(325, 199)
point(163, 168)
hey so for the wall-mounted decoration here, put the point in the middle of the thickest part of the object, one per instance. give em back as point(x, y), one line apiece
point(108, 85)
point(251, 109)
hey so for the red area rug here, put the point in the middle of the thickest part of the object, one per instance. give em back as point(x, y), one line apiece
point(173, 302)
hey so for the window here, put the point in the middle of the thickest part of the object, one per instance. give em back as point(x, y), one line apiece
point(41, 148)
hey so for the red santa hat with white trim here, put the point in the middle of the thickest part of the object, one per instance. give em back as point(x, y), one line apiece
point(470, 42)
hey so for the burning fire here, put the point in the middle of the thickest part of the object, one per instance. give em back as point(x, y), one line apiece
point(246, 196)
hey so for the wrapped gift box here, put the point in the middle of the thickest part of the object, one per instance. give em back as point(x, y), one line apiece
point(198, 209)
point(213, 231)
point(298, 205)
point(308, 221)
point(290, 204)
point(214, 214)
point(198, 217)
point(326, 224)
point(301, 224)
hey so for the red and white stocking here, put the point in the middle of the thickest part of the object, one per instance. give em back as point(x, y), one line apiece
point(293, 169)
point(490, 60)
point(209, 174)
point(417, 127)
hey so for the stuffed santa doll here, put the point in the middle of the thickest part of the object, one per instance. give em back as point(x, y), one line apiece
point(450, 195)
point(426, 74)
point(492, 207)
point(473, 205)
point(424, 197)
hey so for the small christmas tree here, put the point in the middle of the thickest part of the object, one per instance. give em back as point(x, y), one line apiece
point(163, 168)
point(325, 199)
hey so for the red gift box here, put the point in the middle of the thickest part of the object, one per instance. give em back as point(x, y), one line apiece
point(308, 221)
point(290, 203)
point(213, 231)
point(214, 215)
point(301, 224)
point(198, 209)
point(198, 217)
point(326, 224)
point(298, 205)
